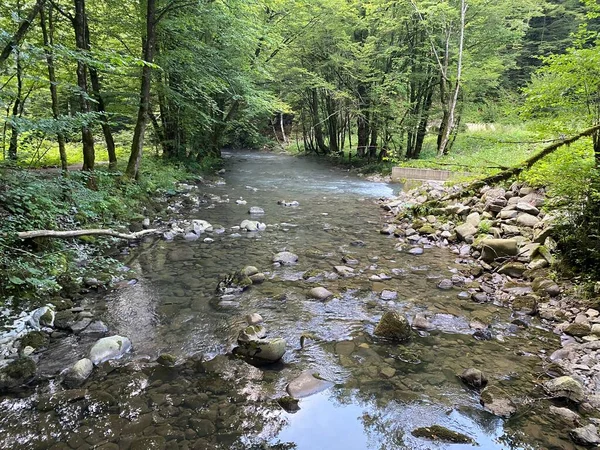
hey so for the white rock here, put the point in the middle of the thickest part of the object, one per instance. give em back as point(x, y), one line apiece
point(307, 384)
point(112, 347)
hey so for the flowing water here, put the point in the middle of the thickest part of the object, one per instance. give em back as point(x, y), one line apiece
point(382, 391)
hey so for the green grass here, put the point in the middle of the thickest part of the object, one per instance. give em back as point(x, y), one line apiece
point(34, 153)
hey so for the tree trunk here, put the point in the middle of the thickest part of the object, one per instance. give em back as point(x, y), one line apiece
point(48, 36)
point(17, 106)
point(133, 166)
point(16, 39)
point(450, 124)
point(100, 107)
point(332, 125)
point(317, 127)
point(87, 138)
point(374, 137)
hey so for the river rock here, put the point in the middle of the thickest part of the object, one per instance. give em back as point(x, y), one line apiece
point(513, 269)
point(564, 387)
point(252, 333)
point(566, 414)
point(307, 383)
point(148, 443)
point(258, 278)
point(112, 347)
point(78, 373)
point(498, 248)
point(420, 322)
point(256, 211)
point(578, 329)
point(263, 350)
point(441, 434)
point(587, 435)
point(496, 401)
point(527, 208)
point(16, 373)
point(233, 283)
point(527, 220)
point(285, 258)
point(445, 284)
point(386, 294)
point(200, 226)
point(394, 326)
point(249, 271)
point(320, 293)
point(254, 319)
point(292, 204)
point(474, 378)
point(252, 225)
point(466, 231)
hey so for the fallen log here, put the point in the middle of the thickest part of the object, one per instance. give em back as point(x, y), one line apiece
point(79, 233)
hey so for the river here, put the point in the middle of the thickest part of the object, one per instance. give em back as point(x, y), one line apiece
point(381, 391)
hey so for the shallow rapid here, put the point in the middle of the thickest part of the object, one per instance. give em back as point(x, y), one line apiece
point(382, 391)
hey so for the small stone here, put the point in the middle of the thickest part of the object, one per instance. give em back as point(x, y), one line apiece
point(445, 284)
point(527, 220)
point(78, 373)
point(320, 293)
point(285, 258)
point(496, 401)
point(254, 319)
point(421, 322)
point(415, 251)
point(256, 210)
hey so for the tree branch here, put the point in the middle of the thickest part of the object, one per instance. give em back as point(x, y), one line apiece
point(21, 31)
point(79, 233)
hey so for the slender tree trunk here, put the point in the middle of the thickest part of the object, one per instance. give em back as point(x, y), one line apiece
point(17, 106)
point(137, 145)
point(100, 106)
point(16, 39)
point(48, 36)
point(450, 125)
point(317, 126)
point(87, 138)
point(374, 137)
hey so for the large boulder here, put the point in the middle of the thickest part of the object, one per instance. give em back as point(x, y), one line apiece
point(498, 248)
point(308, 383)
point(394, 326)
point(565, 387)
point(587, 435)
point(112, 347)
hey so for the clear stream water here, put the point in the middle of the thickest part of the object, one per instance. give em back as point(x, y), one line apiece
point(174, 309)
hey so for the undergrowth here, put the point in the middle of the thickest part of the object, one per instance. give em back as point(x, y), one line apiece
point(38, 199)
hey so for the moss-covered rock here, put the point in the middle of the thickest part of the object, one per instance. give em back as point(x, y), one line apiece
point(443, 434)
point(311, 273)
point(578, 329)
point(16, 373)
point(289, 404)
point(166, 360)
point(60, 304)
point(35, 339)
point(527, 304)
point(394, 326)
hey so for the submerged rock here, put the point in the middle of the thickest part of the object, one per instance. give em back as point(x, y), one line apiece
point(308, 383)
point(496, 401)
point(474, 378)
point(112, 347)
point(443, 434)
point(289, 404)
point(232, 283)
point(256, 211)
point(252, 225)
point(285, 258)
point(394, 326)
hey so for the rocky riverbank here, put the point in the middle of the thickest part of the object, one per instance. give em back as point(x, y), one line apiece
point(504, 238)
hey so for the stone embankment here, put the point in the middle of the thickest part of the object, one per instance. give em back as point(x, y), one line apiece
point(505, 239)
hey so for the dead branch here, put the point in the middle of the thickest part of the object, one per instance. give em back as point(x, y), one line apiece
point(79, 233)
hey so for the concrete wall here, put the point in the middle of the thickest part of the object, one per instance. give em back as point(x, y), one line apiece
point(407, 173)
